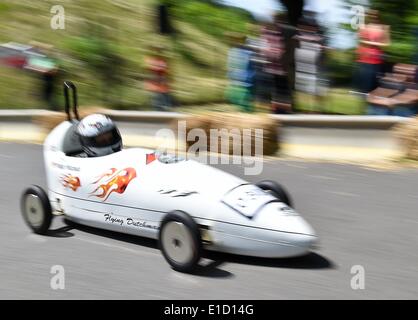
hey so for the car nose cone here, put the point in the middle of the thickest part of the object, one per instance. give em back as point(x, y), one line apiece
point(290, 228)
point(278, 216)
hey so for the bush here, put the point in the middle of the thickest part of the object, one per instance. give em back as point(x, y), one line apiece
point(340, 66)
point(401, 51)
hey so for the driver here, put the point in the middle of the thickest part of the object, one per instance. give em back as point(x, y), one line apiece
point(99, 136)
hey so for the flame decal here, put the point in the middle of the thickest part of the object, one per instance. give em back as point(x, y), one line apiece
point(150, 157)
point(113, 181)
point(108, 174)
point(70, 181)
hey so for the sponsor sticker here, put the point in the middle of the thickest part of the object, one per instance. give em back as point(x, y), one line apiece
point(247, 199)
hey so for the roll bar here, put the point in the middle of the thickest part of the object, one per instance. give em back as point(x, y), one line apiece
point(67, 86)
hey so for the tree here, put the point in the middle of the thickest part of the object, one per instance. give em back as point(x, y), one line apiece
point(402, 17)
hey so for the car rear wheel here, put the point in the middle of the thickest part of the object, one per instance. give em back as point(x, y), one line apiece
point(36, 209)
point(276, 189)
point(180, 241)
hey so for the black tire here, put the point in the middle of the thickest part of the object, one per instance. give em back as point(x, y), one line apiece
point(277, 190)
point(36, 209)
point(188, 239)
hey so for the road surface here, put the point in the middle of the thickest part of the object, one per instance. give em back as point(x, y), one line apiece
point(363, 217)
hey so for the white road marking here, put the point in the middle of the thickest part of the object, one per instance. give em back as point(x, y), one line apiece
point(5, 156)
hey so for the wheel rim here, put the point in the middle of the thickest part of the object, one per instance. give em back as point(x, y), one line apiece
point(34, 210)
point(177, 242)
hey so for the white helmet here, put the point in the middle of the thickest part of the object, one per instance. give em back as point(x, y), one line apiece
point(99, 136)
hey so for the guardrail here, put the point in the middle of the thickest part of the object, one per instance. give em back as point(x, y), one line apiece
point(302, 135)
point(308, 120)
point(341, 121)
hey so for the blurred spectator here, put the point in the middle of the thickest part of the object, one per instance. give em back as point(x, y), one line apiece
point(158, 79)
point(240, 73)
point(397, 93)
point(309, 59)
point(263, 82)
point(373, 37)
point(44, 64)
point(274, 84)
point(415, 57)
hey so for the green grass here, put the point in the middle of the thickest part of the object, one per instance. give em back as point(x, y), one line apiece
point(337, 101)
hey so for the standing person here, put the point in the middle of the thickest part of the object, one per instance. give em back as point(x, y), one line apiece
point(263, 81)
point(373, 37)
point(275, 75)
point(49, 83)
point(260, 87)
point(241, 72)
point(157, 82)
point(44, 64)
point(309, 60)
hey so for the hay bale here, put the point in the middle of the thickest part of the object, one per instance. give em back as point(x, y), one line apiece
point(49, 122)
point(407, 134)
point(233, 125)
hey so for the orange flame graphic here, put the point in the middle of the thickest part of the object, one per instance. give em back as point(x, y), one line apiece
point(114, 182)
point(108, 174)
point(150, 157)
point(69, 181)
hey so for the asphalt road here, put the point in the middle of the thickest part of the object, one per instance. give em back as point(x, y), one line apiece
point(363, 217)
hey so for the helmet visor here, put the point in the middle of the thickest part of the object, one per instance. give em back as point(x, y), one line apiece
point(105, 139)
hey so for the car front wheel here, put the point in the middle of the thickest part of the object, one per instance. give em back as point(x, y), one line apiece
point(180, 241)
